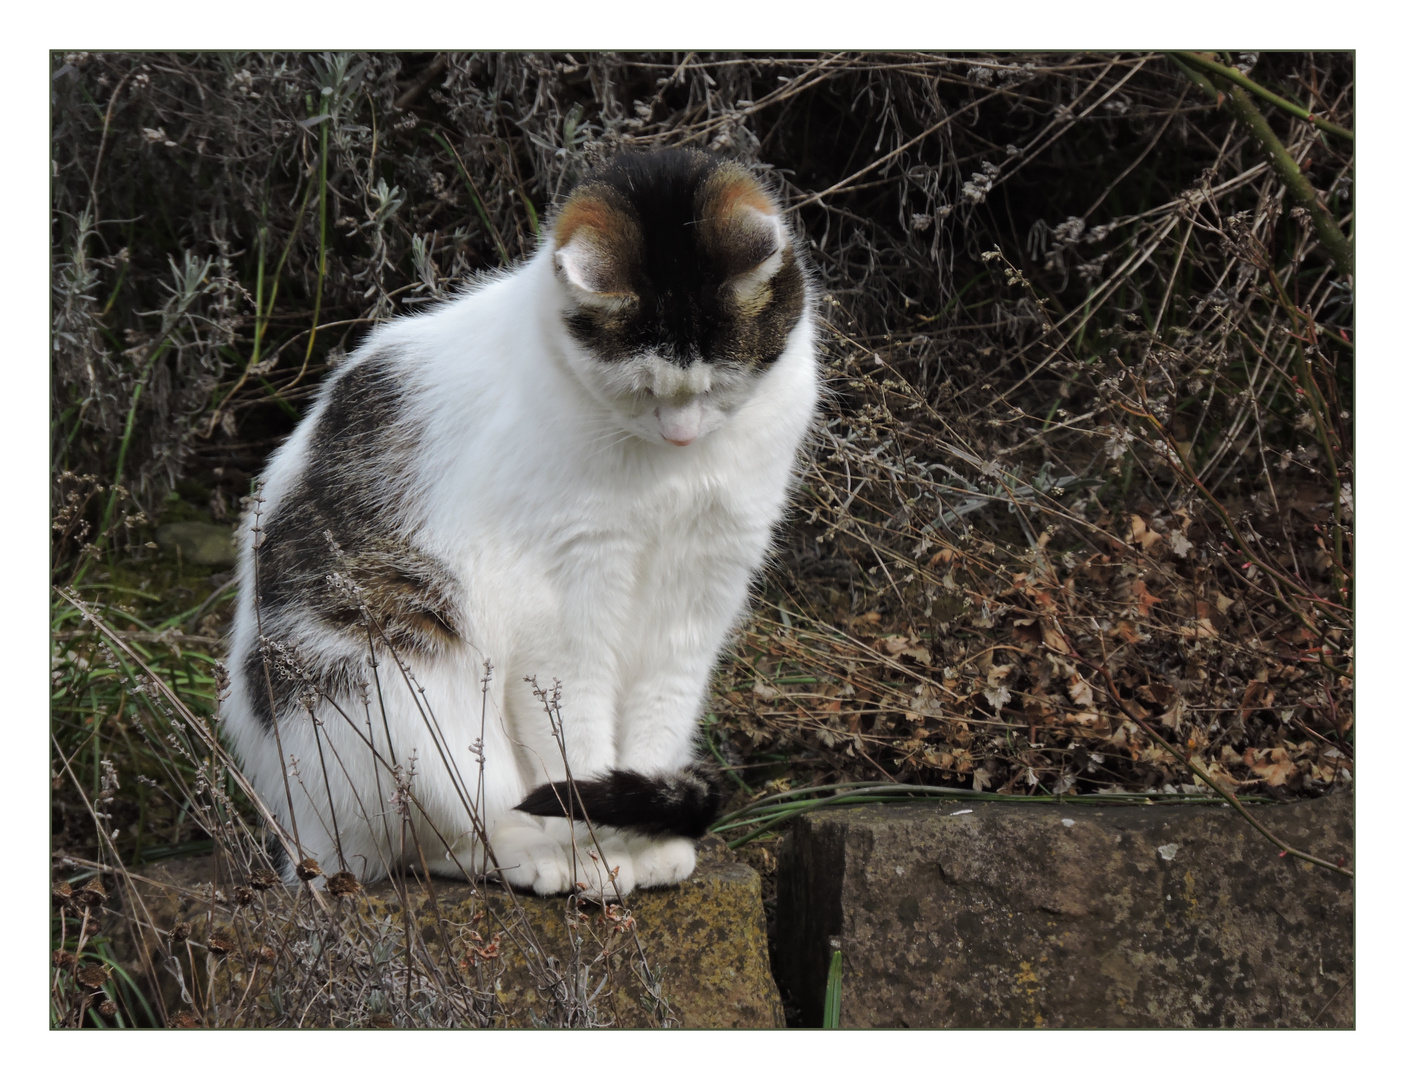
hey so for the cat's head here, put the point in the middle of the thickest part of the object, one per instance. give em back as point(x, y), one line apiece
point(680, 286)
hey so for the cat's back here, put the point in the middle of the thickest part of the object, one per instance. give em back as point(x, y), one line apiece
point(416, 382)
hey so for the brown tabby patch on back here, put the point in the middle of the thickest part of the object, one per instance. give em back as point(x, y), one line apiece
point(279, 676)
point(338, 548)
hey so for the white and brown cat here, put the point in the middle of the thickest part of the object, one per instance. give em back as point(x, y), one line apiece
point(571, 472)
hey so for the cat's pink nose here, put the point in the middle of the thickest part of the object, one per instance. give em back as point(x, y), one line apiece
point(679, 424)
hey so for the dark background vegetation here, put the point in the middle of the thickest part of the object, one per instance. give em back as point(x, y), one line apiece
point(1077, 520)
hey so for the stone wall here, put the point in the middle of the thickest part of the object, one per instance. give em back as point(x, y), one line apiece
point(971, 915)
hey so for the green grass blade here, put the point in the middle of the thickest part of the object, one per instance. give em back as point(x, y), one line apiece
point(831, 991)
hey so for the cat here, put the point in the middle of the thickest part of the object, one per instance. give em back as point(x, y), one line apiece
point(513, 534)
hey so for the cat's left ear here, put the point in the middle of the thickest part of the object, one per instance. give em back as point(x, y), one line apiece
point(594, 246)
point(744, 232)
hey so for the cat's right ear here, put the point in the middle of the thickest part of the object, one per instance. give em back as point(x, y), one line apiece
point(594, 244)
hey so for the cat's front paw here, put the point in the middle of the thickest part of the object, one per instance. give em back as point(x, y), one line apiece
point(558, 859)
point(601, 864)
point(527, 858)
point(662, 862)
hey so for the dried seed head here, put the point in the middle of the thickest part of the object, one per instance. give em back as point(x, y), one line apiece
point(263, 879)
point(265, 953)
point(62, 892)
point(220, 943)
point(180, 932)
point(343, 884)
point(91, 894)
point(380, 1020)
point(183, 1019)
point(64, 959)
point(108, 1009)
point(243, 895)
point(93, 975)
point(308, 869)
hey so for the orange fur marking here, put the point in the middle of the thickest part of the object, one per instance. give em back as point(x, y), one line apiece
point(738, 189)
point(585, 212)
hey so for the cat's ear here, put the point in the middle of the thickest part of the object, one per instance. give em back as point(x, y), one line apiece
point(595, 244)
point(744, 233)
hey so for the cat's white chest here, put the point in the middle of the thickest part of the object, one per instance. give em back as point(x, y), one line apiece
point(608, 558)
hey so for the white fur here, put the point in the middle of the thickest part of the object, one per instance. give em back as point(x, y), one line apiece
point(590, 550)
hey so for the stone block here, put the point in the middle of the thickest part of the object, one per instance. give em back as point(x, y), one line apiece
point(199, 543)
point(995, 915)
point(524, 962)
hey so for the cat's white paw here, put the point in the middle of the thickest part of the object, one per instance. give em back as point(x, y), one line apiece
point(602, 866)
point(526, 858)
point(662, 862)
point(557, 859)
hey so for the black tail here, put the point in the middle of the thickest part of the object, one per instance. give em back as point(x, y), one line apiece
point(684, 803)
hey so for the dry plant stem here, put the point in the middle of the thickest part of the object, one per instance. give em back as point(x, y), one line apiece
point(268, 675)
point(532, 946)
point(183, 711)
point(102, 145)
point(847, 181)
point(1029, 154)
point(121, 869)
point(1284, 849)
point(414, 832)
point(1302, 192)
point(420, 85)
point(1318, 405)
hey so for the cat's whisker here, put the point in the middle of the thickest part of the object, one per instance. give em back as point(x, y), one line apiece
point(608, 441)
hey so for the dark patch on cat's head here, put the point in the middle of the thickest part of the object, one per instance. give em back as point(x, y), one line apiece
point(680, 254)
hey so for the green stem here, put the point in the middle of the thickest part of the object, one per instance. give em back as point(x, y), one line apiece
point(766, 813)
point(832, 991)
point(1299, 187)
point(477, 202)
point(262, 313)
point(1234, 75)
point(122, 450)
point(1195, 75)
